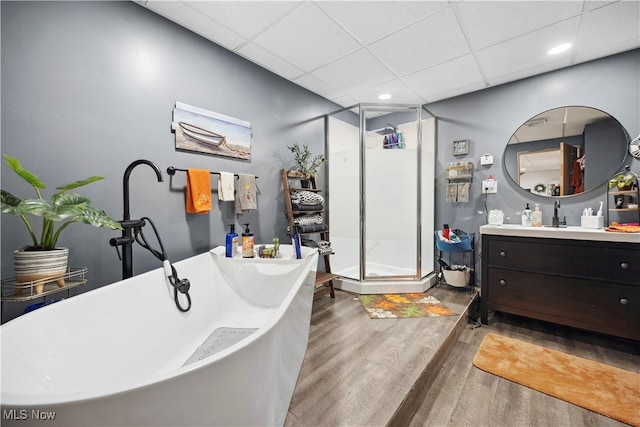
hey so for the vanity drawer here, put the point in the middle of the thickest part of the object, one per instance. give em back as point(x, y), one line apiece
point(585, 259)
point(603, 307)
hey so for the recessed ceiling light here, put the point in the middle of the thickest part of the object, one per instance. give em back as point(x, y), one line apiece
point(384, 96)
point(559, 49)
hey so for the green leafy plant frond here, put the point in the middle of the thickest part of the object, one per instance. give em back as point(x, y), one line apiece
point(307, 163)
point(63, 207)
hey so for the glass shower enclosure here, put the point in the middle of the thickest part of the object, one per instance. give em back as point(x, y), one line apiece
point(381, 166)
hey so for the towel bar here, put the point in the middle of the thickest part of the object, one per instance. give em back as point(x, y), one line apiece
point(172, 171)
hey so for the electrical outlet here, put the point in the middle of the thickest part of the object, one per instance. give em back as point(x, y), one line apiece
point(489, 186)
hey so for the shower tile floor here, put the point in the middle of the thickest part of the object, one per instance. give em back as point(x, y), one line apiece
point(359, 371)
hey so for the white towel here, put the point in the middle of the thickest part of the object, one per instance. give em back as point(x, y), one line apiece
point(246, 199)
point(225, 186)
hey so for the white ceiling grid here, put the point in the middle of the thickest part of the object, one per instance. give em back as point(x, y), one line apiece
point(419, 51)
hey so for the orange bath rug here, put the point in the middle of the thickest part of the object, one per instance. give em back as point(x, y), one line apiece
point(601, 388)
point(398, 306)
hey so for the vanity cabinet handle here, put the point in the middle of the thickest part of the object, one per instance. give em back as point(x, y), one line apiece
point(624, 301)
point(624, 265)
point(503, 282)
point(503, 253)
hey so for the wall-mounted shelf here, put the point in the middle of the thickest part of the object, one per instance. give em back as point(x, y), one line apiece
point(459, 177)
point(459, 172)
point(624, 202)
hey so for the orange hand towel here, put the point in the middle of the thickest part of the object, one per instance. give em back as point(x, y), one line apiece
point(624, 228)
point(198, 191)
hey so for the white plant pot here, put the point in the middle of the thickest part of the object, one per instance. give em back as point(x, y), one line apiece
point(41, 267)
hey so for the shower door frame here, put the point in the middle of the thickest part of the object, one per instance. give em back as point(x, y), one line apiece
point(389, 108)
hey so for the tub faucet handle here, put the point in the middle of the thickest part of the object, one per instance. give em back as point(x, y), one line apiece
point(183, 286)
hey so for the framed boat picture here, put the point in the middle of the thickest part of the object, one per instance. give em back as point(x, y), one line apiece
point(207, 132)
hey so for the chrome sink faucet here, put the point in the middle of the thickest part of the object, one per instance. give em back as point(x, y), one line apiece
point(556, 220)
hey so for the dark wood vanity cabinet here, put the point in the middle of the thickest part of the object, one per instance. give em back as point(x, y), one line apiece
point(592, 285)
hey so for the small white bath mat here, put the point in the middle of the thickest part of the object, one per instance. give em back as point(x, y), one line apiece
point(219, 339)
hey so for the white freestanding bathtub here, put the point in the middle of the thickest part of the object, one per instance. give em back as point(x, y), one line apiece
point(124, 354)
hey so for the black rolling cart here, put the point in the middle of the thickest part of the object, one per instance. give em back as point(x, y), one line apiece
point(460, 275)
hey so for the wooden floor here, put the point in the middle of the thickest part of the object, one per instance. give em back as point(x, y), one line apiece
point(363, 372)
point(358, 371)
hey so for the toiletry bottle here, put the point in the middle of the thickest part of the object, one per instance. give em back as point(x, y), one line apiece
point(247, 243)
point(527, 217)
point(536, 217)
point(445, 231)
point(231, 244)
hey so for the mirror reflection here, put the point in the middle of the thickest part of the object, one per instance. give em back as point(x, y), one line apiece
point(565, 151)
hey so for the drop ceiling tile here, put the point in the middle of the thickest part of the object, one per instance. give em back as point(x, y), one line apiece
point(313, 84)
point(401, 94)
point(183, 14)
point(429, 42)
point(353, 72)
point(528, 52)
point(608, 30)
point(247, 18)
point(267, 60)
point(307, 37)
point(489, 22)
point(528, 72)
point(378, 18)
point(594, 4)
point(409, 39)
point(449, 79)
point(344, 101)
point(606, 51)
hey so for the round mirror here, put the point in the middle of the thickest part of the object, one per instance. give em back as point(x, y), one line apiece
point(565, 151)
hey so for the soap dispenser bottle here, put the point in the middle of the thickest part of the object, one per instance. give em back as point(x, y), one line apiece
point(536, 217)
point(527, 216)
point(247, 243)
point(231, 244)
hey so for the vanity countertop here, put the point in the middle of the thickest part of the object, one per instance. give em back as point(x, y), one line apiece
point(569, 232)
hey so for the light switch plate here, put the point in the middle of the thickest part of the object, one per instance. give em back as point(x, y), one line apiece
point(486, 160)
point(489, 186)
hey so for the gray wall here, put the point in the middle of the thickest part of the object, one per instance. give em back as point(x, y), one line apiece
point(488, 119)
point(89, 87)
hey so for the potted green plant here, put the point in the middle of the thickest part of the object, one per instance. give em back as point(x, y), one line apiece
point(63, 207)
point(308, 164)
point(622, 181)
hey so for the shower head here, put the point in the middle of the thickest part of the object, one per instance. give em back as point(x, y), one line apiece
point(388, 129)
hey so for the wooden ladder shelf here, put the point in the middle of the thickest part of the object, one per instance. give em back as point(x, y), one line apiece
point(292, 182)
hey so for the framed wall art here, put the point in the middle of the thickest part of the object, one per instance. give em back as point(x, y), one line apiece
point(206, 132)
point(461, 147)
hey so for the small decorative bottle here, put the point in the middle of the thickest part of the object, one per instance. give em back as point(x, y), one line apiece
point(536, 217)
point(527, 217)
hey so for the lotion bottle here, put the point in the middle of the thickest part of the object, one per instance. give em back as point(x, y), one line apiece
point(247, 243)
point(536, 217)
point(231, 244)
point(527, 216)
